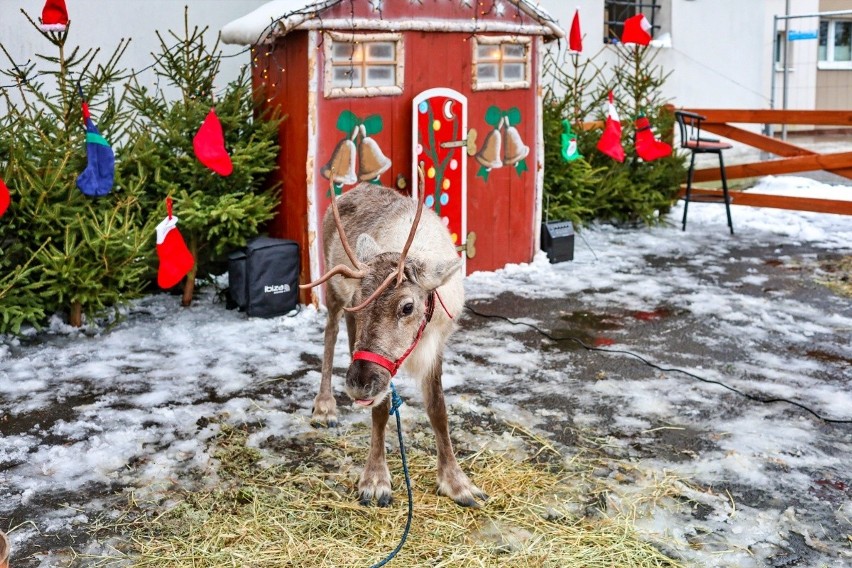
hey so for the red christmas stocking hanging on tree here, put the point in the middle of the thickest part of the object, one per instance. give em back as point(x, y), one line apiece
point(5, 198)
point(209, 145)
point(175, 259)
point(610, 142)
point(648, 147)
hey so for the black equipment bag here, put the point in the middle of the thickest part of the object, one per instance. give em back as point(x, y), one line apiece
point(263, 278)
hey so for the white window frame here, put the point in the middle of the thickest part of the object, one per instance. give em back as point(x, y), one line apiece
point(829, 62)
point(331, 91)
point(500, 85)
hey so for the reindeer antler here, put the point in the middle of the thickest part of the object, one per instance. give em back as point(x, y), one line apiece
point(399, 273)
point(340, 268)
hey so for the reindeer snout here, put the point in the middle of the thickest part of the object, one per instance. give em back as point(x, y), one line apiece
point(366, 381)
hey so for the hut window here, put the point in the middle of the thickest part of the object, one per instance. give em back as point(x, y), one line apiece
point(363, 64)
point(501, 63)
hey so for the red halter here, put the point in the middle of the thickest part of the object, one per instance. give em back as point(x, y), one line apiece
point(393, 366)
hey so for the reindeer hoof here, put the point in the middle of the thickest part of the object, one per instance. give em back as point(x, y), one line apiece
point(460, 489)
point(365, 498)
point(375, 483)
point(324, 412)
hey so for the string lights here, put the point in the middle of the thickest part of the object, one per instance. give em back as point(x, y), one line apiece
point(22, 74)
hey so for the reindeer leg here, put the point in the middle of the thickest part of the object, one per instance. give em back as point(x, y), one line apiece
point(325, 407)
point(375, 481)
point(452, 481)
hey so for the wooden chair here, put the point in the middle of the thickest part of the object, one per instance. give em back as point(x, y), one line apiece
point(691, 139)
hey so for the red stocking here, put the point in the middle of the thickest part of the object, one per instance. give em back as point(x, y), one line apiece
point(175, 259)
point(610, 142)
point(209, 145)
point(5, 198)
point(648, 147)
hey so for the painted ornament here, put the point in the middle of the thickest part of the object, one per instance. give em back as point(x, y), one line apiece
point(570, 151)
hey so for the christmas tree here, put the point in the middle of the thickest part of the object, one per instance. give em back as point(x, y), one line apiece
point(71, 253)
point(216, 212)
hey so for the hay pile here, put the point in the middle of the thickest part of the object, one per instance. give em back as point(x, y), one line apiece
point(836, 274)
point(543, 511)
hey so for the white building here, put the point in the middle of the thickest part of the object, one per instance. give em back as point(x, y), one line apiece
point(720, 52)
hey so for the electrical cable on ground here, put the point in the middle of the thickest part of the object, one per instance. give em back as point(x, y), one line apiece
point(764, 400)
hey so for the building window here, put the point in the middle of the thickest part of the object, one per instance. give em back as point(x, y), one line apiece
point(363, 64)
point(835, 44)
point(501, 62)
point(616, 11)
point(780, 47)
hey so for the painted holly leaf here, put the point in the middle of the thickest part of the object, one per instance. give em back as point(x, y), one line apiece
point(514, 116)
point(373, 124)
point(347, 121)
point(493, 116)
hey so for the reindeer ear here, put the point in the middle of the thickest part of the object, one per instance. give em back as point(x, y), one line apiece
point(431, 277)
point(366, 248)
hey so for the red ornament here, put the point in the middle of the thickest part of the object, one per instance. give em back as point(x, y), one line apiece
point(610, 142)
point(54, 16)
point(5, 198)
point(209, 145)
point(175, 259)
point(636, 30)
point(648, 147)
point(575, 38)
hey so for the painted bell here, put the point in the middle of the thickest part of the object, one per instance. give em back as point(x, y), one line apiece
point(516, 150)
point(371, 161)
point(342, 163)
point(489, 155)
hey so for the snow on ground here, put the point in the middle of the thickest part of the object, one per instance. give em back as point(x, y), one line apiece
point(87, 416)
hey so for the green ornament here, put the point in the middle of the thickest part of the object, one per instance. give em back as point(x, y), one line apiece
point(570, 151)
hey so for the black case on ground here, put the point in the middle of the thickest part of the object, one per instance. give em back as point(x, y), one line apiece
point(263, 277)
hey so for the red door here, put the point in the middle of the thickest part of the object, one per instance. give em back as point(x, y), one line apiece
point(439, 131)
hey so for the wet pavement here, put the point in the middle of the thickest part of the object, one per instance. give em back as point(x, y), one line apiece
point(757, 484)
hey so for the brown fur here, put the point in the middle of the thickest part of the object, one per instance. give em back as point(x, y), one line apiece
point(382, 327)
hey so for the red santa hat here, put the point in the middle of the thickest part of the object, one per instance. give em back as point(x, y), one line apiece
point(54, 16)
point(575, 38)
point(637, 30)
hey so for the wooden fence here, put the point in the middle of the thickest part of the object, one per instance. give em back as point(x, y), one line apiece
point(793, 158)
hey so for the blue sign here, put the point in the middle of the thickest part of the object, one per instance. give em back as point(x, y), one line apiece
point(794, 35)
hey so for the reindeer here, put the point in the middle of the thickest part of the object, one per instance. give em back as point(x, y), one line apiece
point(388, 297)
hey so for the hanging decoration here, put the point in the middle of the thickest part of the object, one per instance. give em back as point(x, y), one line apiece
point(570, 151)
point(175, 259)
point(5, 198)
point(54, 16)
point(636, 30)
point(610, 142)
point(489, 156)
point(575, 38)
point(372, 162)
point(648, 147)
point(98, 177)
point(209, 145)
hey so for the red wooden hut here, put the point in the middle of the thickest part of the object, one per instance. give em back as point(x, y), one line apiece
point(372, 88)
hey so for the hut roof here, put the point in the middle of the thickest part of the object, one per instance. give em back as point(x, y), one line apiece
point(279, 17)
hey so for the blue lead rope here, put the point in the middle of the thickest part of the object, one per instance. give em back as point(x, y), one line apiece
point(396, 402)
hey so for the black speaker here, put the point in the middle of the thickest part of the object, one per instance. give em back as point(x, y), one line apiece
point(557, 240)
point(263, 277)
